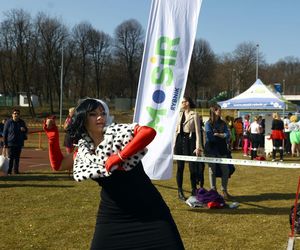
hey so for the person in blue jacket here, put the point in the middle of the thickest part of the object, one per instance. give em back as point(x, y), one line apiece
point(14, 134)
point(217, 139)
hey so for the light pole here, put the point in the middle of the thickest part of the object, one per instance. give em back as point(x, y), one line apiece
point(232, 82)
point(257, 49)
point(61, 84)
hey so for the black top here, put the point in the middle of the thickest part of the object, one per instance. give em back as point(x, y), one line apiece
point(277, 124)
point(130, 195)
point(133, 215)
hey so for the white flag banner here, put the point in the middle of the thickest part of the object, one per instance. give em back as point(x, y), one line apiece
point(168, 48)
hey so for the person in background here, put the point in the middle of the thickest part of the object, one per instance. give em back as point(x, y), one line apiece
point(261, 147)
point(201, 167)
point(287, 142)
point(187, 142)
point(216, 145)
point(68, 142)
point(277, 136)
point(255, 136)
point(14, 134)
point(4, 150)
point(132, 213)
point(230, 124)
point(261, 122)
point(238, 126)
point(246, 133)
point(294, 128)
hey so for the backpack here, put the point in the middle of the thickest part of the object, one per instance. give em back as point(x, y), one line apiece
point(296, 218)
point(206, 197)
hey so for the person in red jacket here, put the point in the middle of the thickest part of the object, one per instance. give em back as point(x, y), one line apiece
point(132, 213)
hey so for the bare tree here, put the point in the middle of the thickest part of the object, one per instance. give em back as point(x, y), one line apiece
point(245, 58)
point(100, 51)
point(51, 35)
point(129, 49)
point(287, 72)
point(202, 66)
point(81, 52)
point(22, 40)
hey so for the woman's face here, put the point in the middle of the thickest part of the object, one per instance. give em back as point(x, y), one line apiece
point(184, 104)
point(218, 111)
point(71, 112)
point(95, 121)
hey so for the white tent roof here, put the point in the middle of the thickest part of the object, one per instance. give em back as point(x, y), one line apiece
point(258, 96)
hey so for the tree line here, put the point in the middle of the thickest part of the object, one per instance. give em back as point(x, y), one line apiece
point(99, 65)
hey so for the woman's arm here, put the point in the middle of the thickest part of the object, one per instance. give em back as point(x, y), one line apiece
point(209, 132)
point(143, 135)
point(57, 160)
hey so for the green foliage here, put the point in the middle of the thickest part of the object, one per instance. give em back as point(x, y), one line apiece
point(222, 96)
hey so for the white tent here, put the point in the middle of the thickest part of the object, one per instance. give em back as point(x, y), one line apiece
point(258, 96)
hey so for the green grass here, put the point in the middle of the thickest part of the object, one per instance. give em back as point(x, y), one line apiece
point(45, 210)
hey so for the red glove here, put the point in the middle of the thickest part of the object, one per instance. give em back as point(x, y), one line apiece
point(55, 154)
point(143, 135)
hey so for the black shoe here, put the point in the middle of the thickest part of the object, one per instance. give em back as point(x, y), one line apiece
point(181, 195)
point(194, 192)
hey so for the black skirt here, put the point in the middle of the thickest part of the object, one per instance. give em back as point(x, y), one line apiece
point(133, 215)
point(185, 144)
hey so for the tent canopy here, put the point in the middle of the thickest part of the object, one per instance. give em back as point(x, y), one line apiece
point(258, 96)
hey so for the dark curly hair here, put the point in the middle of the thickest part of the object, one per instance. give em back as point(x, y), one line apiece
point(77, 126)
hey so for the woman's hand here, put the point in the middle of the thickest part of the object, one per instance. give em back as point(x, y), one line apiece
point(221, 135)
point(49, 123)
point(113, 162)
point(198, 152)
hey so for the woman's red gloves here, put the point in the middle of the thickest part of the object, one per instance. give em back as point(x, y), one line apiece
point(143, 135)
point(55, 155)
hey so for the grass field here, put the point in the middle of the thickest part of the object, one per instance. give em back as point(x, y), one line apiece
point(45, 210)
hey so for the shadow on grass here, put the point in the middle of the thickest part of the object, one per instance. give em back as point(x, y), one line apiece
point(165, 186)
point(264, 197)
point(37, 177)
point(241, 210)
point(8, 185)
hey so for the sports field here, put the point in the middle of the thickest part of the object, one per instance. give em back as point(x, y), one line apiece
point(41, 209)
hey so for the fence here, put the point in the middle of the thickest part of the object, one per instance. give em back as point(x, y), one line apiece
point(37, 138)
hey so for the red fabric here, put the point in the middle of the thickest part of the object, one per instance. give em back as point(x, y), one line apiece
point(238, 127)
point(260, 158)
point(277, 135)
point(55, 155)
point(143, 135)
point(214, 204)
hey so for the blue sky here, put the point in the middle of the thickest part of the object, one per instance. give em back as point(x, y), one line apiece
point(273, 24)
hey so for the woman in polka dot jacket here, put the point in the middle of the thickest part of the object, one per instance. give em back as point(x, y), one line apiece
point(132, 213)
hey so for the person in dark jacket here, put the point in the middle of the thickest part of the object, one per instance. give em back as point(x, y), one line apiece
point(14, 134)
point(216, 145)
point(277, 136)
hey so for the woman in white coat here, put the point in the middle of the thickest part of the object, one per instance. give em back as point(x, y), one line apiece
point(188, 142)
